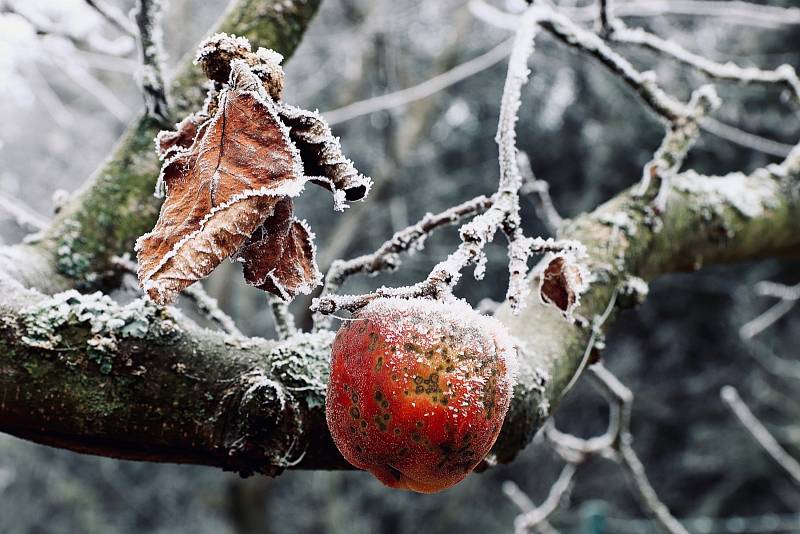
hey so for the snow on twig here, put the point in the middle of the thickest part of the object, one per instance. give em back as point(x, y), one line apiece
point(284, 320)
point(113, 15)
point(503, 214)
point(151, 78)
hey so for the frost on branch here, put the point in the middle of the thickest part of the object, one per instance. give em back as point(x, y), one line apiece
point(230, 171)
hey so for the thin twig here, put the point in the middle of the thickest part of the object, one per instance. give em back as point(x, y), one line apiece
point(503, 214)
point(764, 438)
point(616, 443)
point(422, 90)
point(23, 214)
point(533, 516)
point(745, 13)
point(678, 141)
point(283, 318)
point(113, 16)
point(605, 17)
point(387, 256)
point(784, 75)
point(745, 139)
point(210, 307)
point(539, 192)
point(788, 298)
point(197, 294)
point(617, 392)
point(151, 78)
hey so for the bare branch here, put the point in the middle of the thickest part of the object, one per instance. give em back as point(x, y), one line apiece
point(760, 433)
point(784, 75)
point(745, 13)
point(566, 31)
point(745, 139)
point(539, 192)
point(387, 256)
point(618, 393)
point(605, 18)
point(422, 90)
point(284, 320)
point(534, 516)
point(788, 297)
point(23, 214)
point(148, 21)
point(113, 15)
point(616, 443)
point(210, 307)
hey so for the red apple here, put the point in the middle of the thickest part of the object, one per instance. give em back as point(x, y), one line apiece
point(418, 390)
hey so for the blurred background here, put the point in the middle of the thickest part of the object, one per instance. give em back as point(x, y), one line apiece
point(67, 91)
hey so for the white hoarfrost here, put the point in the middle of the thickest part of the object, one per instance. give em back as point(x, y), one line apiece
point(747, 196)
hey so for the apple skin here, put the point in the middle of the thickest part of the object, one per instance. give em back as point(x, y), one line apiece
point(418, 391)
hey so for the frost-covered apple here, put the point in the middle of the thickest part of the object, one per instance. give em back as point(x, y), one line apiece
point(419, 390)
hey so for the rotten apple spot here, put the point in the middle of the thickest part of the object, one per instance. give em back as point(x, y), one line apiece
point(230, 173)
point(429, 385)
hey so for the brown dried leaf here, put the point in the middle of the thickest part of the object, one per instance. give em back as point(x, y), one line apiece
point(217, 53)
point(219, 191)
point(562, 283)
point(324, 162)
point(279, 257)
point(170, 142)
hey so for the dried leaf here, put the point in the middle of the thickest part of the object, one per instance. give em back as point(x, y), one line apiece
point(220, 190)
point(324, 162)
point(217, 53)
point(562, 283)
point(170, 142)
point(280, 256)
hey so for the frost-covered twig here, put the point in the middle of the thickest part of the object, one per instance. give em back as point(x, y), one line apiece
point(23, 214)
point(387, 256)
point(679, 139)
point(502, 215)
point(571, 34)
point(113, 16)
point(787, 296)
point(284, 320)
point(151, 78)
point(784, 75)
point(210, 307)
point(745, 13)
point(531, 516)
point(197, 294)
point(539, 192)
point(422, 90)
point(745, 139)
point(760, 432)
